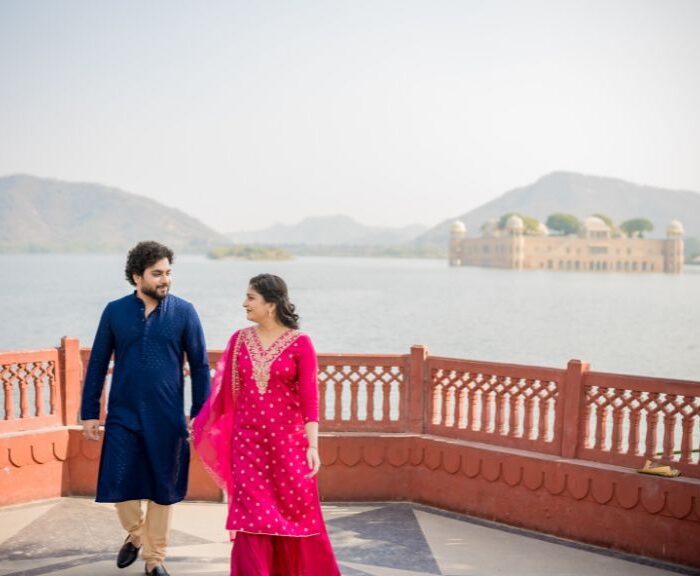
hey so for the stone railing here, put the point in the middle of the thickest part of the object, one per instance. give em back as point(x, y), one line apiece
point(575, 413)
point(41, 388)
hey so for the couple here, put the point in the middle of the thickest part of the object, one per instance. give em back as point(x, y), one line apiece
point(256, 432)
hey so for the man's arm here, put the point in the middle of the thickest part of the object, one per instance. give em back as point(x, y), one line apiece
point(198, 359)
point(100, 355)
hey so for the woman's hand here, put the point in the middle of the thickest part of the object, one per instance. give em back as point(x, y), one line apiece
point(313, 460)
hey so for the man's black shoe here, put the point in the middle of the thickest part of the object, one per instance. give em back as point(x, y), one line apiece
point(127, 554)
point(157, 571)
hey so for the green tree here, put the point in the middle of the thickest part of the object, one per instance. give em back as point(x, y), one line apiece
point(636, 227)
point(564, 224)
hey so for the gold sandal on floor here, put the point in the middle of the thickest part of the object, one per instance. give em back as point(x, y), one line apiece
point(659, 470)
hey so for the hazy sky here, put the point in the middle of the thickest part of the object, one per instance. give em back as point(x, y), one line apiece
point(393, 112)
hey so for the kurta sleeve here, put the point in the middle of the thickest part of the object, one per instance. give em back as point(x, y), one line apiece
point(198, 359)
point(308, 380)
point(100, 355)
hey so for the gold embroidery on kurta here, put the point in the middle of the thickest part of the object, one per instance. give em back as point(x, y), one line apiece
point(262, 358)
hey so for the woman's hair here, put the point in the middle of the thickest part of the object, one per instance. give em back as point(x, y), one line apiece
point(145, 255)
point(274, 291)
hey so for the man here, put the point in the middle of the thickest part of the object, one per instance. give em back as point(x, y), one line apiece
point(145, 455)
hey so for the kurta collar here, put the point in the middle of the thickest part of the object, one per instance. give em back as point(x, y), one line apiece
point(162, 304)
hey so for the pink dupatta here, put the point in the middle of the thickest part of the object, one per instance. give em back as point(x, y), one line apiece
point(212, 429)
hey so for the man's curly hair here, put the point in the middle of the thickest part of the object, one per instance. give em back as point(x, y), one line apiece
point(144, 255)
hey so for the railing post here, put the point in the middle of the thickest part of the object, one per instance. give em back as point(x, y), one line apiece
point(416, 388)
point(573, 396)
point(69, 354)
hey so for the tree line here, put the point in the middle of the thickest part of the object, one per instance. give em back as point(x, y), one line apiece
point(566, 224)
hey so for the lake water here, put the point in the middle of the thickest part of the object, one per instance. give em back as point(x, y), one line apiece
point(636, 324)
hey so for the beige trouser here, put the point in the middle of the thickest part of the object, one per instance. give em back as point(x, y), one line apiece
point(152, 531)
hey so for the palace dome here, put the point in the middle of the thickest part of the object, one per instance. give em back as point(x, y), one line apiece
point(515, 223)
point(458, 227)
point(675, 228)
point(595, 223)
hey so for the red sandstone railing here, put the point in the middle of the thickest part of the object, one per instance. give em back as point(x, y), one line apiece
point(573, 413)
point(505, 404)
point(625, 418)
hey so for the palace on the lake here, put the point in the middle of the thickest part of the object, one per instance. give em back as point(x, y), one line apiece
point(594, 248)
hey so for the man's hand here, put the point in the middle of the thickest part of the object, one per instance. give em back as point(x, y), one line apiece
point(91, 429)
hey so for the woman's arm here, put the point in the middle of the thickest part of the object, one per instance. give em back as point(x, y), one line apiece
point(308, 396)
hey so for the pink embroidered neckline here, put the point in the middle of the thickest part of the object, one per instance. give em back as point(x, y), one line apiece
point(261, 357)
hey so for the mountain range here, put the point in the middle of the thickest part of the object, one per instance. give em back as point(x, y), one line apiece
point(582, 196)
point(39, 214)
point(329, 231)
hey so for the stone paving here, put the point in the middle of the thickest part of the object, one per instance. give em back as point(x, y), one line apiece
point(77, 537)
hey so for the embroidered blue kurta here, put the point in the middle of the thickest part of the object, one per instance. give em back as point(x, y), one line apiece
point(145, 453)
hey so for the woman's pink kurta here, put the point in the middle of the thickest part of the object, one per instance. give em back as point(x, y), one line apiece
point(277, 395)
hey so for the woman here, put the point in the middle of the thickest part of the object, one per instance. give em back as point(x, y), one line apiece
point(257, 435)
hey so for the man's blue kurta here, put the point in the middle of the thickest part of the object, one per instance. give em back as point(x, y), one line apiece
point(145, 454)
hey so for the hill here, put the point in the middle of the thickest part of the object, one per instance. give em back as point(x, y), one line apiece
point(38, 214)
point(328, 231)
point(582, 195)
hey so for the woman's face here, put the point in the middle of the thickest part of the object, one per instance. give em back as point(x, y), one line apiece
point(256, 309)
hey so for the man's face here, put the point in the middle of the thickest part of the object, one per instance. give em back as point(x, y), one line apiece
point(155, 281)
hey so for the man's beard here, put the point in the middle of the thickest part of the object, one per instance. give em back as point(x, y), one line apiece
point(153, 292)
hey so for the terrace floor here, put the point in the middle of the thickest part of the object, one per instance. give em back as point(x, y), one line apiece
point(76, 537)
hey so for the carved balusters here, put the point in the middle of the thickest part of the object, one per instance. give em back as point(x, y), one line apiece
point(386, 401)
point(634, 420)
point(9, 400)
point(512, 403)
point(686, 437)
point(371, 386)
point(354, 391)
point(463, 408)
point(652, 424)
point(23, 398)
point(669, 425)
point(39, 397)
point(338, 399)
point(501, 402)
point(447, 392)
point(618, 416)
point(600, 427)
point(529, 422)
point(322, 397)
point(542, 412)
